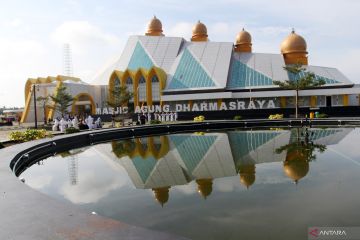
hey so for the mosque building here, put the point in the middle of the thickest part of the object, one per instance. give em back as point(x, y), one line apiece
point(199, 76)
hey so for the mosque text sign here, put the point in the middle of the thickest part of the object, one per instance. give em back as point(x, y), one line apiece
point(195, 107)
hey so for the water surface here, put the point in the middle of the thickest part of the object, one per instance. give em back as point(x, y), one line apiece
point(264, 184)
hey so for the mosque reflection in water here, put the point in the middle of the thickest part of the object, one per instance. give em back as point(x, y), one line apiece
point(158, 163)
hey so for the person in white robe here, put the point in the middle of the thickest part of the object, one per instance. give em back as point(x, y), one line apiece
point(75, 123)
point(171, 116)
point(62, 125)
point(55, 127)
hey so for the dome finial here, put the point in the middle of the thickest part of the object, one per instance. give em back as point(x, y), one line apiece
point(247, 175)
point(199, 32)
point(294, 49)
point(243, 41)
point(154, 27)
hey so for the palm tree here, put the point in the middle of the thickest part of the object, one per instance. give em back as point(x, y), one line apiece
point(62, 100)
point(299, 79)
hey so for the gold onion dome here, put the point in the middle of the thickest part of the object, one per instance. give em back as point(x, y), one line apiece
point(204, 187)
point(247, 175)
point(154, 27)
point(199, 32)
point(296, 167)
point(294, 49)
point(243, 41)
point(161, 194)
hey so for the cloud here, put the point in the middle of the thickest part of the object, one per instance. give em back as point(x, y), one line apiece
point(180, 29)
point(19, 60)
point(39, 182)
point(90, 188)
point(82, 35)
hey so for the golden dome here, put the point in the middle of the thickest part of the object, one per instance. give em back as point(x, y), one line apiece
point(247, 175)
point(293, 43)
point(204, 187)
point(199, 32)
point(154, 27)
point(296, 169)
point(161, 194)
point(243, 37)
point(243, 42)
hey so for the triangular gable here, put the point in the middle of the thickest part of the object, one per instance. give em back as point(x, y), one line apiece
point(242, 76)
point(190, 74)
point(242, 143)
point(144, 166)
point(140, 59)
point(192, 148)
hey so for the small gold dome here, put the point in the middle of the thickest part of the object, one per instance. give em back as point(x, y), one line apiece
point(161, 194)
point(293, 43)
point(243, 37)
point(243, 42)
point(294, 49)
point(296, 169)
point(204, 187)
point(247, 175)
point(199, 32)
point(154, 27)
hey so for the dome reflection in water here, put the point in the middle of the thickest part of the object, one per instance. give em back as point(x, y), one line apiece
point(221, 185)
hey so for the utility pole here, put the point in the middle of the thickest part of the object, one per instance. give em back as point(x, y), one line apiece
point(35, 112)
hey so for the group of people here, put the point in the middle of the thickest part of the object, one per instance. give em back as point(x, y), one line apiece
point(61, 124)
point(162, 117)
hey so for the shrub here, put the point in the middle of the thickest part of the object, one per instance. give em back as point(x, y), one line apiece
point(237, 117)
point(322, 115)
point(199, 118)
point(276, 116)
point(28, 135)
point(71, 130)
point(155, 121)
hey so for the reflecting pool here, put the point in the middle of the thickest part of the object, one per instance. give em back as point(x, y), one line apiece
point(256, 184)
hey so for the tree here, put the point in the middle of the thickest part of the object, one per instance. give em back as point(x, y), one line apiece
point(303, 147)
point(62, 101)
point(300, 79)
point(43, 102)
point(299, 153)
point(119, 96)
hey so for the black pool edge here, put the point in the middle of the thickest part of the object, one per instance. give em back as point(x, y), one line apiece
point(29, 214)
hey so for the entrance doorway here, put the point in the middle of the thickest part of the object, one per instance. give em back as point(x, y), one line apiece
point(328, 101)
point(83, 105)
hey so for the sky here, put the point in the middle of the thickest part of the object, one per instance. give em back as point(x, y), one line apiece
point(33, 33)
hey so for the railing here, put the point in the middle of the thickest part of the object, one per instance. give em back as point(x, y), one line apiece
point(29, 156)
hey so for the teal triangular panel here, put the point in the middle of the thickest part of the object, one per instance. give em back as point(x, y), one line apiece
point(244, 76)
point(192, 148)
point(242, 143)
point(139, 59)
point(190, 74)
point(144, 166)
point(294, 77)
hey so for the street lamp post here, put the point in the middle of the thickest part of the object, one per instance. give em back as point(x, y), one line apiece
point(34, 91)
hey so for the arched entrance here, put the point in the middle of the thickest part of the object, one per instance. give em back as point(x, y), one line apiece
point(83, 105)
